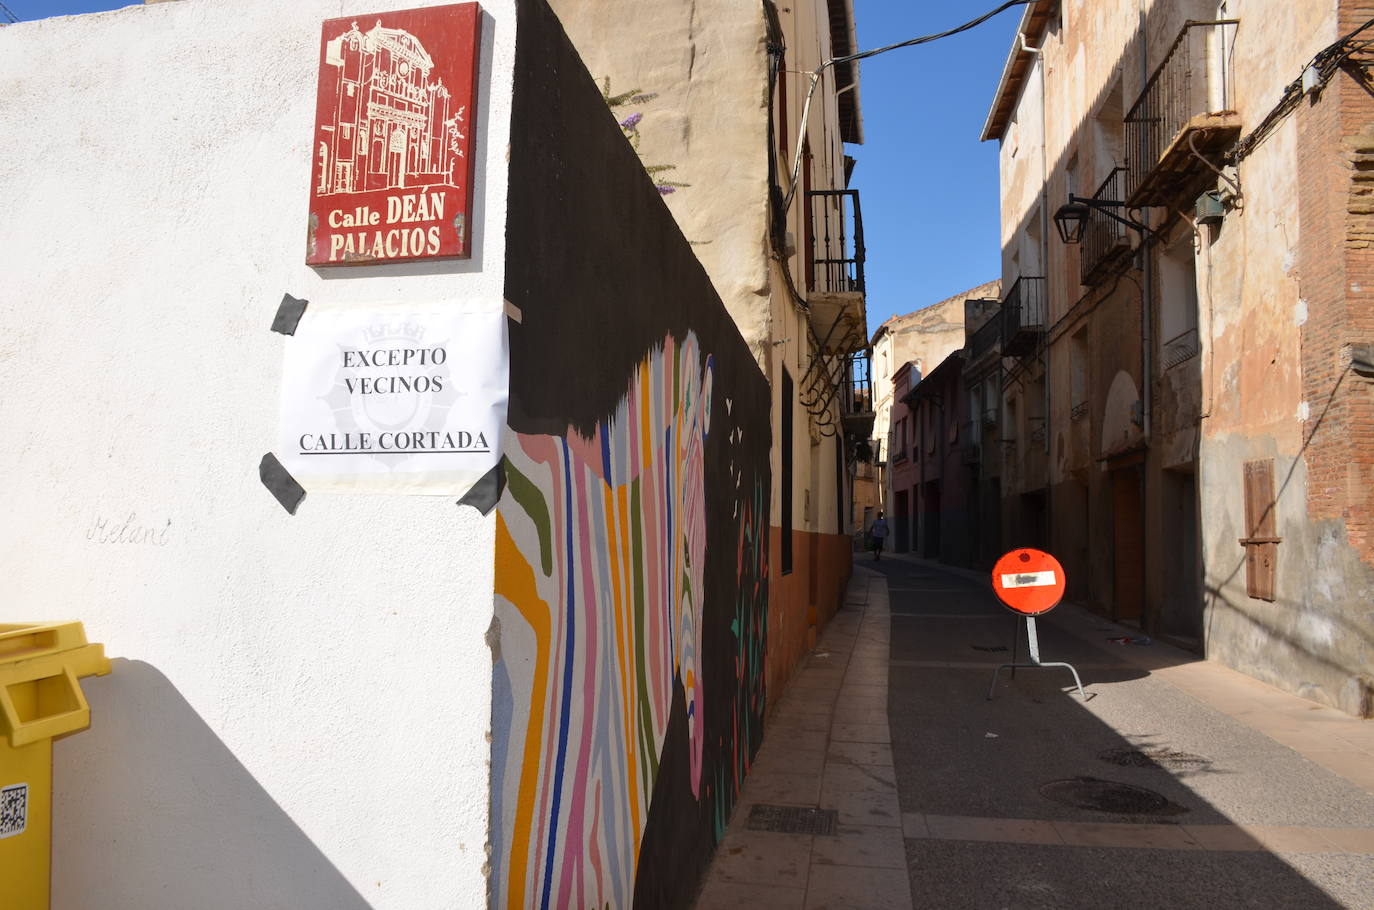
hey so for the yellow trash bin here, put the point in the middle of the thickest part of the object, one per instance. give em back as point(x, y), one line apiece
point(40, 699)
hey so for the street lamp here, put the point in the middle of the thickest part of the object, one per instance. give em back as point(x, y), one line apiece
point(1072, 217)
point(1070, 220)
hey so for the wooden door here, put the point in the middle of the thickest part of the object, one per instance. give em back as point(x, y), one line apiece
point(1127, 546)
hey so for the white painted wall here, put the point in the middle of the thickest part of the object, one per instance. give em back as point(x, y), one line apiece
point(298, 712)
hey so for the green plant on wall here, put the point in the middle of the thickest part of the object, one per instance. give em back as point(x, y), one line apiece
point(629, 125)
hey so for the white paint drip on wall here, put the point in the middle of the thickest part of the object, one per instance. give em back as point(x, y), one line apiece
point(1317, 631)
point(298, 711)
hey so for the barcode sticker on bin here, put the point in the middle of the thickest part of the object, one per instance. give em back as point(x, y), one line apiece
point(14, 809)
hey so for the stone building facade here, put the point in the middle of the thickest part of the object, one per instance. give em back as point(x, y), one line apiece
point(1186, 414)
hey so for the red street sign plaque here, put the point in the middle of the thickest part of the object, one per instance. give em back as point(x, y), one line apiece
point(391, 173)
point(1029, 582)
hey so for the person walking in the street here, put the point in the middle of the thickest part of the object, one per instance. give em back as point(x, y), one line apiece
point(878, 532)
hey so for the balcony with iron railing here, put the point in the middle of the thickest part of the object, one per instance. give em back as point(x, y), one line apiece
point(1181, 348)
point(1184, 118)
point(837, 263)
point(1078, 452)
point(1105, 239)
point(835, 285)
point(1023, 316)
point(857, 396)
point(986, 337)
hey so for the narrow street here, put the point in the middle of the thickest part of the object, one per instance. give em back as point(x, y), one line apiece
point(908, 787)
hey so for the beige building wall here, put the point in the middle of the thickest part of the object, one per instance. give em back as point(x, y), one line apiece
point(697, 76)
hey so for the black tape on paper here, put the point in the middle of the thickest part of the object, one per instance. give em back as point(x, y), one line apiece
point(280, 483)
point(289, 314)
point(486, 492)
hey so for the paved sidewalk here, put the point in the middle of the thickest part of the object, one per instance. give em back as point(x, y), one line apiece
point(826, 747)
point(934, 791)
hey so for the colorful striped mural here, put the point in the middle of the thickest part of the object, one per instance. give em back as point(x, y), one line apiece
point(601, 549)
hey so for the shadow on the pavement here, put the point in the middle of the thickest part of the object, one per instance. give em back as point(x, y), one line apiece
point(967, 759)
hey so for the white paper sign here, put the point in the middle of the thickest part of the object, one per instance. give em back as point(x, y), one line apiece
point(401, 399)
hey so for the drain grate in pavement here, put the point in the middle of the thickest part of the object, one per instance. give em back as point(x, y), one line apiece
point(1163, 759)
point(791, 819)
point(990, 648)
point(1108, 796)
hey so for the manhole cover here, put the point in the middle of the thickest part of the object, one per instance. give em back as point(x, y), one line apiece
point(791, 819)
point(1105, 796)
point(1164, 759)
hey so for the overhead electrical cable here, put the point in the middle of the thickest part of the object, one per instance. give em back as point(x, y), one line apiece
point(926, 39)
point(815, 77)
point(1321, 68)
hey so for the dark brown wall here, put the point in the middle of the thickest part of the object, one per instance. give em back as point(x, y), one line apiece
point(608, 291)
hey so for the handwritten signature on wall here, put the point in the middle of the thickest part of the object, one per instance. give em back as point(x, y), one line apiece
point(112, 531)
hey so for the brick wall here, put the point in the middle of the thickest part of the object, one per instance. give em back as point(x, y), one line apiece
point(1336, 183)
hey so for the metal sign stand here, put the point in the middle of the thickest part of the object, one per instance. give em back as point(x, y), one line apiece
point(1033, 646)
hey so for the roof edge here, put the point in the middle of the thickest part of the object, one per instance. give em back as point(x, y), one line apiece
point(841, 15)
point(1010, 81)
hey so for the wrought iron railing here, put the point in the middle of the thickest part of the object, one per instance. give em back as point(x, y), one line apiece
point(1104, 238)
point(837, 240)
point(1181, 348)
point(858, 393)
point(1194, 78)
point(986, 336)
point(1023, 315)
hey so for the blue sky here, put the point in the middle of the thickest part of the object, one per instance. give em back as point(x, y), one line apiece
point(927, 185)
point(42, 9)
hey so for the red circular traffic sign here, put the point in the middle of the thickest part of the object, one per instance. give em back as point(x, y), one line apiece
point(1029, 582)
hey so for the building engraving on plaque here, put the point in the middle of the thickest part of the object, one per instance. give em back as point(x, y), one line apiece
point(392, 169)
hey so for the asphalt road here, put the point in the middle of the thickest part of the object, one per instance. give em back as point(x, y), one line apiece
point(970, 764)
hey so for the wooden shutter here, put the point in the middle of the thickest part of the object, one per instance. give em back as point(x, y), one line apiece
point(1261, 541)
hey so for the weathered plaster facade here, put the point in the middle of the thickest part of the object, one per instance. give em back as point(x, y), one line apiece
point(919, 341)
point(1158, 377)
